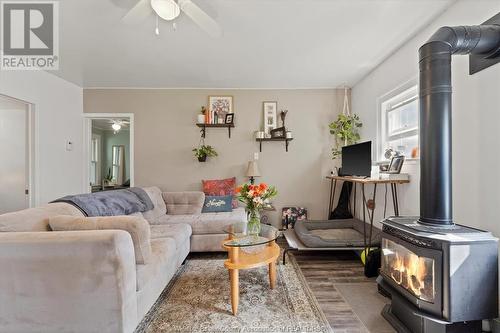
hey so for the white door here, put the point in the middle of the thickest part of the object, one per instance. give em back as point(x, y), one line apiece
point(14, 161)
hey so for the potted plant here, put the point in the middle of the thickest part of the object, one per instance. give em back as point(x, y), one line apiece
point(203, 151)
point(346, 132)
point(255, 197)
point(201, 116)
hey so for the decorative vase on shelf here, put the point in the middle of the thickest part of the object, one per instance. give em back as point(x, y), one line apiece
point(201, 119)
point(253, 223)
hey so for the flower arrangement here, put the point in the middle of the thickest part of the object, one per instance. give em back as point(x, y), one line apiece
point(255, 198)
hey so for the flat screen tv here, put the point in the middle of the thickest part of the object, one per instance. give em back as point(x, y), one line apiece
point(357, 159)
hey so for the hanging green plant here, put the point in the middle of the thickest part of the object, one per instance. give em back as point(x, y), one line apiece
point(345, 129)
point(203, 151)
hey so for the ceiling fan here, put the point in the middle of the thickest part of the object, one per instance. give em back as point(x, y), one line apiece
point(169, 10)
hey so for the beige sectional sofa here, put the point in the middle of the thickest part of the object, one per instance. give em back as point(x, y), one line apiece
point(95, 280)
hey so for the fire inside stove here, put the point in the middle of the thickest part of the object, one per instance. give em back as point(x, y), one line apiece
point(410, 271)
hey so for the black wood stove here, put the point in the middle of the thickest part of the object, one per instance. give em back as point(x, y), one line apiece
point(441, 276)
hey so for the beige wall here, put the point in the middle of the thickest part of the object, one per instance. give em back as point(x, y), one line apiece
point(165, 133)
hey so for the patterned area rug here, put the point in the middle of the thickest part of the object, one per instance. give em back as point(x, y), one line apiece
point(198, 300)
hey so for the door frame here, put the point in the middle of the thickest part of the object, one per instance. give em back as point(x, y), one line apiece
point(32, 150)
point(87, 140)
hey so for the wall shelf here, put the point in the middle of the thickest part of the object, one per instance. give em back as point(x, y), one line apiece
point(205, 126)
point(286, 141)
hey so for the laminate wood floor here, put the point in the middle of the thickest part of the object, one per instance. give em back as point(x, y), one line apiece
point(327, 273)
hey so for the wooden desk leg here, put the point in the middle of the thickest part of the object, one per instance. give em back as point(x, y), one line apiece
point(235, 290)
point(272, 274)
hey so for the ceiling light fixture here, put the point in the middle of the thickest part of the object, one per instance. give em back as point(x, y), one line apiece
point(116, 127)
point(166, 9)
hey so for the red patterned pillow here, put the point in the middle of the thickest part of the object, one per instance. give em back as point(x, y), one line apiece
point(221, 187)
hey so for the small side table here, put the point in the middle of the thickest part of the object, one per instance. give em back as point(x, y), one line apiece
point(238, 240)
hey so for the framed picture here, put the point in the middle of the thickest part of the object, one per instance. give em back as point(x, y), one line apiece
point(219, 107)
point(270, 109)
point(396, 164)
point(290, 215)
point(229, 118)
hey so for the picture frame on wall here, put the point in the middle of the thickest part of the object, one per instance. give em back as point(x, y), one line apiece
point(229, 119)
point(270, 109)
point(219, 107)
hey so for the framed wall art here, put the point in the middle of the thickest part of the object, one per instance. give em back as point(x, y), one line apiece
point(270, 109)
point(229, 118)
point(219, 107)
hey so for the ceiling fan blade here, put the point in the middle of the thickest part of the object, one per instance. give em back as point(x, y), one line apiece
point(138, 13)
point(200, 18)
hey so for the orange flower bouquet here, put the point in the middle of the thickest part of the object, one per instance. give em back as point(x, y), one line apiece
point(255, 197)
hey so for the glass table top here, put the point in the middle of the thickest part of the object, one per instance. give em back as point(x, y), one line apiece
point(240, 237)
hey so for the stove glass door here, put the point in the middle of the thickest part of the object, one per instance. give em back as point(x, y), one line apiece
point(407, 269)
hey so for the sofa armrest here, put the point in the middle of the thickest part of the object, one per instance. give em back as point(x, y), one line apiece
point(184, 203)
point(70, 281)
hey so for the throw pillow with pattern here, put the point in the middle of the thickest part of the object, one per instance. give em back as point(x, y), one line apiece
point(221, 187)
point(217, 204)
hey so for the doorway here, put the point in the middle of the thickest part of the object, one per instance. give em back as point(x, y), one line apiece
point(16, 155)
point(109, 151)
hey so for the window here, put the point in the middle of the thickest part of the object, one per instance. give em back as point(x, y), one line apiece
point(399, 123)
point(94, 159)
point(116, 162)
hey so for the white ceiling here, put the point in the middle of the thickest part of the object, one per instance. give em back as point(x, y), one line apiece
point(105, 124)
point(266, 43)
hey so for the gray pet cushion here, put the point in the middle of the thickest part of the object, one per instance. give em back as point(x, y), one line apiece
point(335, 233)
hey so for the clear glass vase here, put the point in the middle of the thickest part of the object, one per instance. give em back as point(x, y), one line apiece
point(253, 223)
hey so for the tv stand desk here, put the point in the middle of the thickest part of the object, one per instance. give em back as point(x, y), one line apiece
point(364, 181)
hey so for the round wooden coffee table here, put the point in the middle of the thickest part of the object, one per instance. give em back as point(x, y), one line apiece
point(249, 251)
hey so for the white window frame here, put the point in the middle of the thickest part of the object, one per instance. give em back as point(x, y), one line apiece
point(96, 160)
point(115, 162)
point(405, 93)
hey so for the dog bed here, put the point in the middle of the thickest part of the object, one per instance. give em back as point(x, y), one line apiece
point(336, 233)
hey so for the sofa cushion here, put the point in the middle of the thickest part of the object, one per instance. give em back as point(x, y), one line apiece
point(221, 187)
point(137, 227)
point(217, 204)
point(163, 261)
point(207, 223)
point(36, 219)
point(183, 203)
point(179, 232)
point(159, 209)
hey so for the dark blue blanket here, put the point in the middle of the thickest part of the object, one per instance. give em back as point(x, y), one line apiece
point(111, 203)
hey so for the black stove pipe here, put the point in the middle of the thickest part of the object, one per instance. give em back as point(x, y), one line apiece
point(435, 112)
